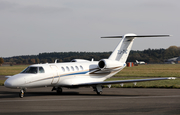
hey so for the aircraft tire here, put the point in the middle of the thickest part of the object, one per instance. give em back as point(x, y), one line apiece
point(99, 93)
point(59, 90)
point(21, 93)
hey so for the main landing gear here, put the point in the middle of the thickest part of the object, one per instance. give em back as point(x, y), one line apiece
point(58, 89)
point(98, 89)
point(21, 93)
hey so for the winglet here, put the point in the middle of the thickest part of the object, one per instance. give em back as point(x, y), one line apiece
point(171, 78)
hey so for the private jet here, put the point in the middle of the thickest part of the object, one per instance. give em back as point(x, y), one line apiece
point(140, 62)
point(79, 72)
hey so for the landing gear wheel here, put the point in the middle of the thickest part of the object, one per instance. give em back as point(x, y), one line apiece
point(98, 89)
point(21, 93)
point(59, 90)
point(99, 93)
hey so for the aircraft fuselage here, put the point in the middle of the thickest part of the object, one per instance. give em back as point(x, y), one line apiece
point(61, 74)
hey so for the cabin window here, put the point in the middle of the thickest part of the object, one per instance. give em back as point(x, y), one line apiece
point(63, 69)
point(72, 68)
point(81, 67)
point(67, 68)
point(77, 68)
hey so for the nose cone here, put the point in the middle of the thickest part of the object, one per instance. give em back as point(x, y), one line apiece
point(8, 83)
point(15, 81)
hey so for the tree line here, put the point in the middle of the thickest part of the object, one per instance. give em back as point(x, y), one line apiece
point(147, 55)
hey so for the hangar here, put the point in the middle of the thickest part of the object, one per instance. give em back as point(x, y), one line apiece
point(173, 60)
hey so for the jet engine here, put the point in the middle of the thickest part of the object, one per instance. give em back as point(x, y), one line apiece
point(107, 64)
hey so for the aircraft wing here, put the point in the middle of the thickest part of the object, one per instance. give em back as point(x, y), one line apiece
point(122, 81)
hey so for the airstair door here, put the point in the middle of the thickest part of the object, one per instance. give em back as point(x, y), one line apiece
point(55, 74)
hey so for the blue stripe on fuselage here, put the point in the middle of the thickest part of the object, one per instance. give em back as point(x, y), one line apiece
point(84, 72)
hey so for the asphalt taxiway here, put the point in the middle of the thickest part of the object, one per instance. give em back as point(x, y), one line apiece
point(85, 101)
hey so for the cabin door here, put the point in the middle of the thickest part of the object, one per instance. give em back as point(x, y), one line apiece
point(55, 74)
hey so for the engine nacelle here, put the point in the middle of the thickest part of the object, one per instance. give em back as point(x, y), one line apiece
point(107, 64)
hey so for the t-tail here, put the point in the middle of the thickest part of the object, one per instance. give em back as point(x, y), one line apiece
point(122, 50)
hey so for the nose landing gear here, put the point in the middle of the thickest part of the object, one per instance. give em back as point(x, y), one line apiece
point(21, 93)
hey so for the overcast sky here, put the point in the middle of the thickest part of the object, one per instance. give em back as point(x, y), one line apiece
point(35, 26)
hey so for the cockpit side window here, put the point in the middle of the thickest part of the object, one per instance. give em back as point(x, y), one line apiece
point(30, 70)
point(41, 70)
point(33, 70)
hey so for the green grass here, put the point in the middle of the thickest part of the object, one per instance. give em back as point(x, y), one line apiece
point(11, 70)
point(151, 70)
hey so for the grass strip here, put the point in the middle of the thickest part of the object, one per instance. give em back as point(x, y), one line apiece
point(151, 70)
point(11, 70)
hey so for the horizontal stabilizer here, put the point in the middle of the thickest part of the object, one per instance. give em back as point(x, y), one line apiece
point(139, 36)
point(7, 76)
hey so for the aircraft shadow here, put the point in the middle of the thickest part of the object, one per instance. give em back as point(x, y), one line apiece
point(7, 94)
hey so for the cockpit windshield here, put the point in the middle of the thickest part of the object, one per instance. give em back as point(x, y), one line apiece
point(33, 70)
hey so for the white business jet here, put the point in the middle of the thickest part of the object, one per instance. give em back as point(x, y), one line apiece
point(79, 72)
point(140, 62)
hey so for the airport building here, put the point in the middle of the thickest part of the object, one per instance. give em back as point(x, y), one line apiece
point(174, 60)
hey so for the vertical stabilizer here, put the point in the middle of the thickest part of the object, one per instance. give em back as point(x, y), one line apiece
point(121, 52)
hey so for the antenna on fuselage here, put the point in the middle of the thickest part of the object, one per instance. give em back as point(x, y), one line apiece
point(56, 60)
